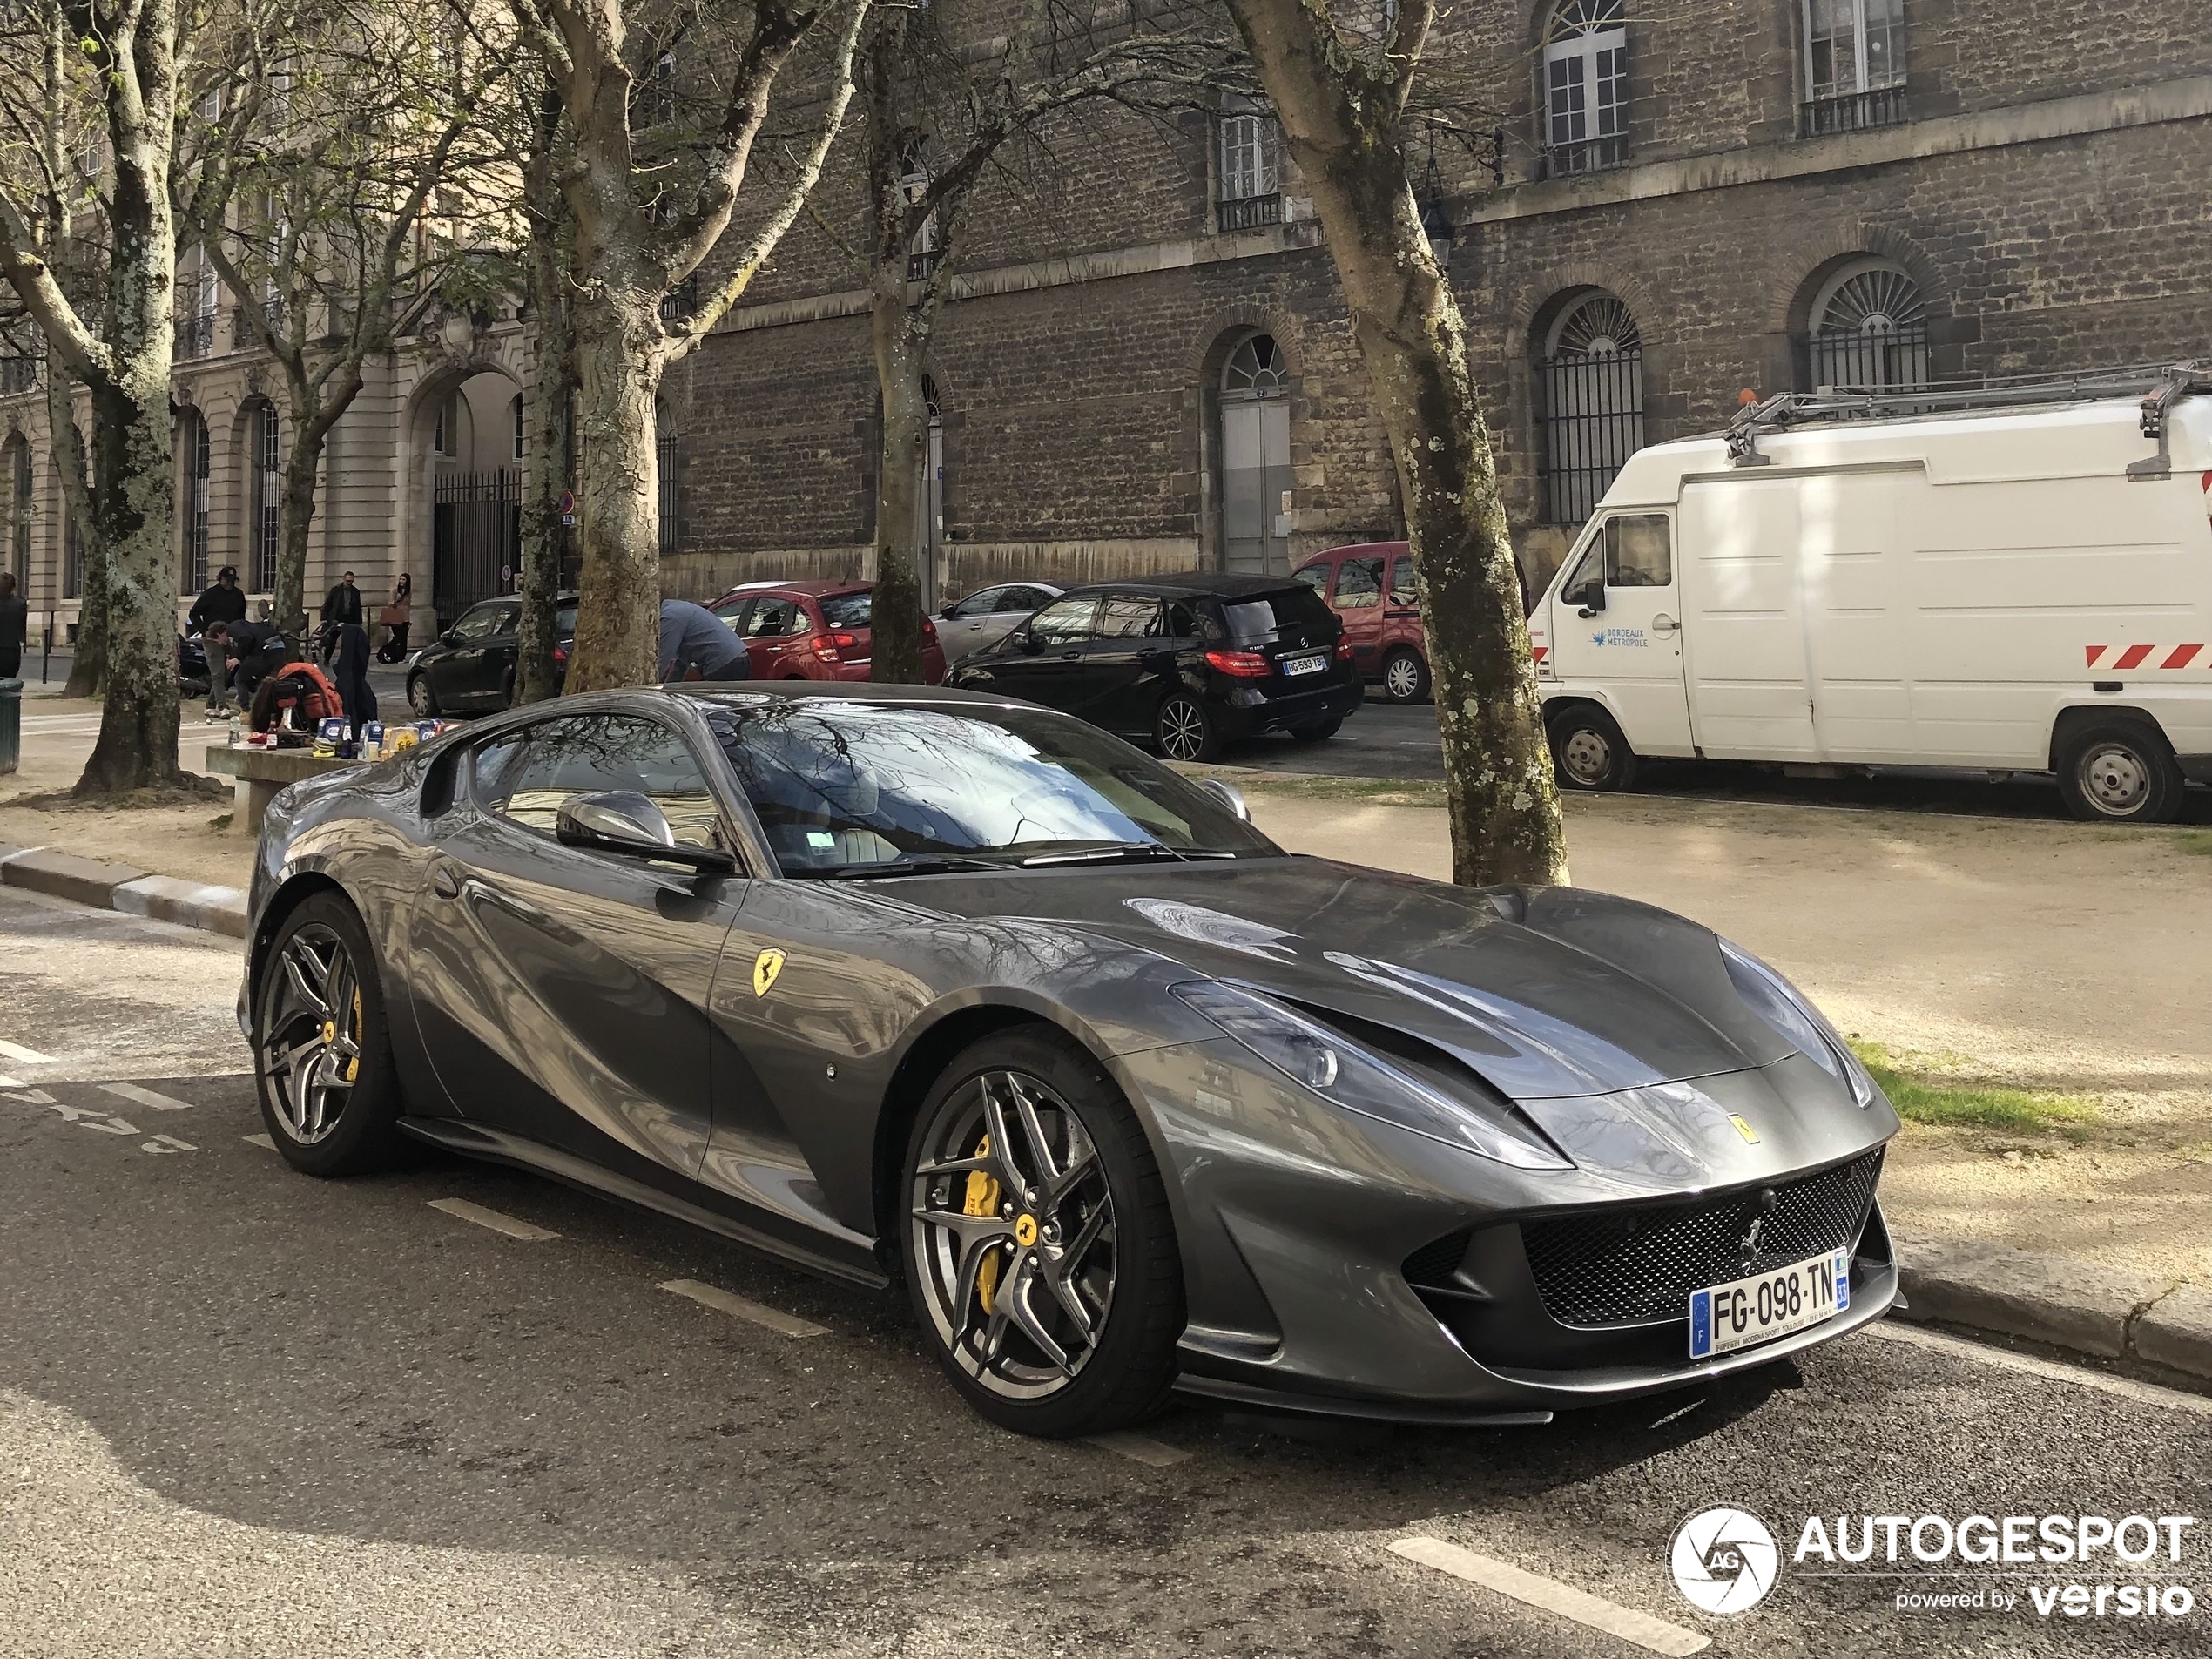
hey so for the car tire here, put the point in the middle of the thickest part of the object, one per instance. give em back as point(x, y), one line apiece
point(328, 1090)
point(1405, 677)
point(1182, 730)
point(2120, 772)
point(420, 698)
point(1588, 751)
point(1104, 1246)
point(1318, 730)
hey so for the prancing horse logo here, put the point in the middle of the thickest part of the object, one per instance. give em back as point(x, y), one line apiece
point(766, 967)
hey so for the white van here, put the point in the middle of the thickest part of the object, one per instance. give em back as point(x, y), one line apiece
point(2013, 588)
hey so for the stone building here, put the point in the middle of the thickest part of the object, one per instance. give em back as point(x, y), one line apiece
point(1146, 365)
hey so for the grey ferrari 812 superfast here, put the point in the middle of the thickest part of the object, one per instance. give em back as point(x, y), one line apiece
point(922, 987)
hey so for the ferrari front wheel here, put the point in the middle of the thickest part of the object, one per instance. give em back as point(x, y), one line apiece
point(1039, 1249)
point(322, 1053)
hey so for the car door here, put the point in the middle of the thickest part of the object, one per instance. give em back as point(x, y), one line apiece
point(1125, 662)
point(1042, 660)
point(457, 673)
point(1402, 608)
point(1618, 631)
point(966, 626)
point(1358, 604)
point(773, 627)
point(502, 649)
point(562, 992)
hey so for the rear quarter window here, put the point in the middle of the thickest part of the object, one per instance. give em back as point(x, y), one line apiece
point(1262, 616)
point(846, 610)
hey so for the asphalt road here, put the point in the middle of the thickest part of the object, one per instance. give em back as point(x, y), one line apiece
point(244, 1412)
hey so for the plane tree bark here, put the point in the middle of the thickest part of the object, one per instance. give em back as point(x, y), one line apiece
point(1342, 106)
point(546, 469)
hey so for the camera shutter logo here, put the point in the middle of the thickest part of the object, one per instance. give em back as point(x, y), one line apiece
point(1724, 1560)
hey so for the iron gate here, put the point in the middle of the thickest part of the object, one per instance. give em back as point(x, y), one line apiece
point(1592, 421)
point(475, 538)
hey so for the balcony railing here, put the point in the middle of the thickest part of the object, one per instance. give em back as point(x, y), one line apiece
point(18, 375)
point(680, 301)
point(1591, 155)
point(1854, 112)
point(1250, 212)
point(196, 335)
point(921, 266)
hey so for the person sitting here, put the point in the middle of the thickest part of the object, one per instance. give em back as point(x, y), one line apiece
point(695, 643)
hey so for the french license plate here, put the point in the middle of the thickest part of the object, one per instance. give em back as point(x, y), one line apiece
point(1312, 665)
point(1736, 1315)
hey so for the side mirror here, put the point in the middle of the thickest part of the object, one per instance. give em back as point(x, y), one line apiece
point(1591, 598)
point(1231, 797)
point(451, 637)
point(622, 820)
point(1031, 644)
point(946, 615)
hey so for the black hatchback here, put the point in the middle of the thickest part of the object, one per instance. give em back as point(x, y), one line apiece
point(470, 669)
point(1184, 663)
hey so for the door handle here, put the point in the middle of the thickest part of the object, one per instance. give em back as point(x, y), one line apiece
point(1070, 656)
point(1663, 623)
point(445, 881)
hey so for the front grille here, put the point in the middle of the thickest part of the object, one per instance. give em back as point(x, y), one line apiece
point(1632, 1266)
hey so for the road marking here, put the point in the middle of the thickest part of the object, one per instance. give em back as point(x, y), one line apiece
point(743, 1308)
point(147, 1098)
point(12, 1082)
point(29, 1056)
point(1655, 1635)
point(1152, 1453)
point(2050, 1370)
point(464, 1210)
point(261, 1141)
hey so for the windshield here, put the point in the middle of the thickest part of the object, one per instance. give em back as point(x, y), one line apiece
point(1255, 620)
point(846, 610)
point(564, 623)
point(838, 784)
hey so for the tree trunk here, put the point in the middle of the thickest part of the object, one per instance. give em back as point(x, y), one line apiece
point(1345, 137)
point(617, 635)
point(895, 617)
point(296, 518)
point(548, 453)
point(87, 666)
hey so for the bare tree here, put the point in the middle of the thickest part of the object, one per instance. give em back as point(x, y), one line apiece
point(1340, 75)
point(547, 462)
point(652, 200)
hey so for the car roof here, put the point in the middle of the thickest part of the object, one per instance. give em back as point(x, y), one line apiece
point(1221, 585)
point(830, 691)
point(802, 589)
point(1374, 549)
point(507, 599)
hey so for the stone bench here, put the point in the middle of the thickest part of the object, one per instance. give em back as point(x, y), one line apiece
point(256, 774)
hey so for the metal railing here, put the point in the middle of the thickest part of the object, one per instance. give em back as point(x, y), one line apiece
point(1249, 212)
point(196, 335)
point(18, 373)
point(680, 301)
point(1590, 421)
point(920, 267)
point(476, 537)
point(1591, 155)
point(1858, 360)
point(1852, 112)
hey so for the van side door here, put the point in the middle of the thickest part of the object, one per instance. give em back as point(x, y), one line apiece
point(1616, 630)
point(1741, 558)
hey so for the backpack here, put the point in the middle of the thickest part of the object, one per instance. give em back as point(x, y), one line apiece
point(300, 687)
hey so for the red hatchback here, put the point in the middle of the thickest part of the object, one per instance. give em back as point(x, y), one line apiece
point(813, 630)
point(1370, 586)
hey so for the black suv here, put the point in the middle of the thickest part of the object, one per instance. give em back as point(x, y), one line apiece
point(1184, 663)
point(470, 669)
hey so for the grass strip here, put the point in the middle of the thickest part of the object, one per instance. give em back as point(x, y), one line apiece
point(1923, 1097)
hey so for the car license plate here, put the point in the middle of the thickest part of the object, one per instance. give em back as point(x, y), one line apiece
point(1746, 1311)
point(1312, 665)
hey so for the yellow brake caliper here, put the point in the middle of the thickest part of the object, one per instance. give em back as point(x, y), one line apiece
point(983, 1200)
point(353, 1065)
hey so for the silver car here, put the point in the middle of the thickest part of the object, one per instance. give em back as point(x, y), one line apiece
point(987, 615)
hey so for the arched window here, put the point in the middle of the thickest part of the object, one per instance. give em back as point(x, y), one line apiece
point(1586, 88)
point(1867, 330)
point(1590, 402)
point(267, 483)
point(1255, 458)
point(16, 469)
point(197, 460)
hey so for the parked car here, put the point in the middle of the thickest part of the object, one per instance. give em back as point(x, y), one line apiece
point(1181, 662)
point(987, 615)
point(470, 669)
point(813, 631)
point(2004, 589)
point(1370, 586)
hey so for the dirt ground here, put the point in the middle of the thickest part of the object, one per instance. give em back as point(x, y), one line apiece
point(2037, 954)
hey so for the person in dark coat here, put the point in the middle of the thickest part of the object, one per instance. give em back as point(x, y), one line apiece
point(257, 650)
point(15, 623)
point(352, 676)
point(224, 602)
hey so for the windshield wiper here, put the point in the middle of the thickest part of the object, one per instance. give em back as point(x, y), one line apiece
point(1111, 852)
point(912, 864)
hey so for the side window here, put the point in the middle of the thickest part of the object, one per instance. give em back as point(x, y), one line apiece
point(1359, 583)
point(981, 603)
point(1587, 585)
point(479, 623)
point(1639, 551)
point(525, 779)
point(506, 620)
point(1315, 576)
point(1021, 601)
point(1178, 621)
point(772, 619)
point(1403, 589)
point(1065, 622)
point(1128, 615)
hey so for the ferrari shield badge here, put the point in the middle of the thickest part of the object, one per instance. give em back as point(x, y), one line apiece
point(766, 967)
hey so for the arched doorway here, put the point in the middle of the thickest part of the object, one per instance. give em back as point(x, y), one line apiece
point(1590, 391)
point(1866, 330)
point(1255, 458)
point(469, 434)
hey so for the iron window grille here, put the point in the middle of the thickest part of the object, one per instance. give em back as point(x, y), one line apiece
point(666, 457)
point(197, 468)
point(18, 373)
point(680, 302)
point(1586, 89)
point(1590, 406)
point(268, 496)
point(1869, 334)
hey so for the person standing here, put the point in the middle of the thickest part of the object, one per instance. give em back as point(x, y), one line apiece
point(395, 616)
point(224, 602)
point(215, 646)
point(15, 625)
point(691, 637)
point(341, 605)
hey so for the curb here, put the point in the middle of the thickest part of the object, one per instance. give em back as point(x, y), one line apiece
point(2083, 1306)
point(118, 886)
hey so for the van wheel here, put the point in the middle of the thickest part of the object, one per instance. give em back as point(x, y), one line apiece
point(1405, 677)
point(2120, 771)
point(1588, 751)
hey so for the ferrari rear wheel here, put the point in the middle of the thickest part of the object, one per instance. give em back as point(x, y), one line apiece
point(1039, 1249)
point(322, 1053)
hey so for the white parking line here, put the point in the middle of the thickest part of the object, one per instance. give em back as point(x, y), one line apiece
point(29, 1056)
point(1654, 1635)
point(2050, 1370)
point(147, 1098)
point(742, 1308)
point(1139, 1449)
point(12, 1082)
point(462, 1209)
point(261, 1141)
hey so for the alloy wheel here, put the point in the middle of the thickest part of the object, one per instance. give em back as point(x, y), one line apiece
point(1402, 679)
point(311, 1033)
point(2115, 779)
point(1182, 729)
point(1014, 1235)
point(1585, 756)
point(418, 697)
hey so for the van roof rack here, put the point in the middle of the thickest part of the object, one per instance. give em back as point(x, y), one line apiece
point(2159, 385)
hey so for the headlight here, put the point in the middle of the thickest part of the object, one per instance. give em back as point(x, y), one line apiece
point(1783, 1006)
point(1345, 1075)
